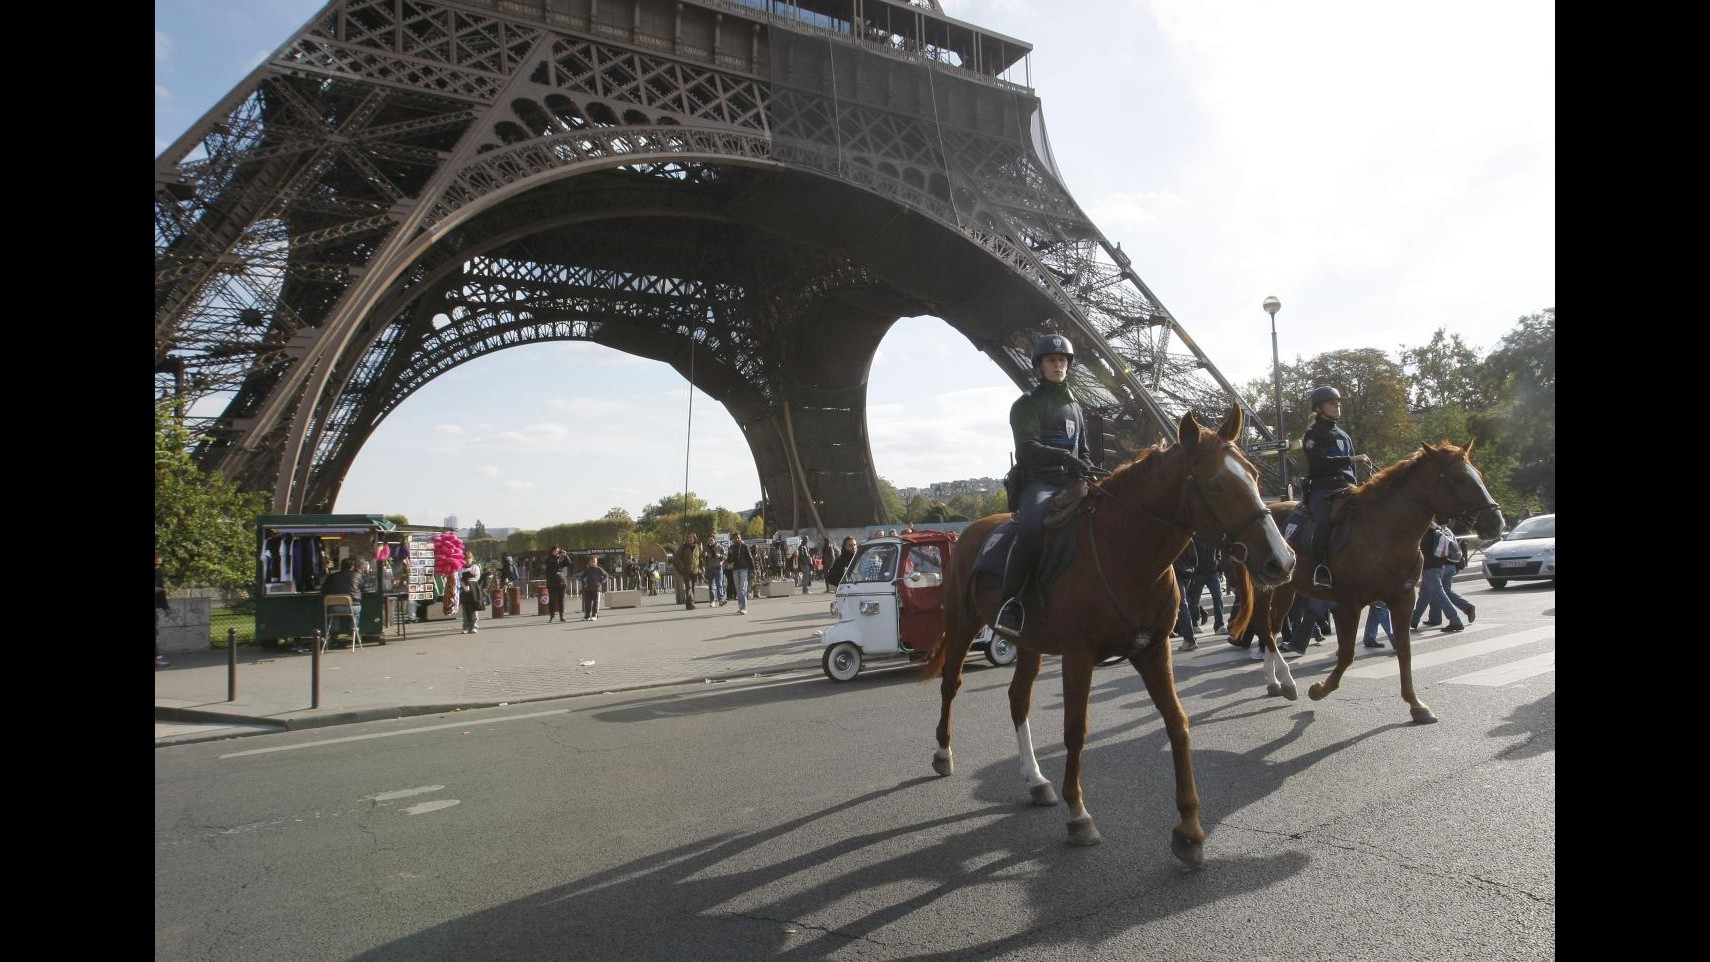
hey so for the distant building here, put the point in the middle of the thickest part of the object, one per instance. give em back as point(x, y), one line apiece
point(945, 490)
point(450, 522)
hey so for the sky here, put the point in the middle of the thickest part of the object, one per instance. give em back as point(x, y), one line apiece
point(1385, 170)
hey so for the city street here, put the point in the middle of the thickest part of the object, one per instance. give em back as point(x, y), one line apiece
point(793, 817)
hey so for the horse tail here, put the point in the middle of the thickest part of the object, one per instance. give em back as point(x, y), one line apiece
point(1245, 602)
point(958, 598)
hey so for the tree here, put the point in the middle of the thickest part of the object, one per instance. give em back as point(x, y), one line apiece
point(397, 519)
point(1518, 432)
point(891, 502)
point(204, 527)
point(1445, 373)
point(669, 504)
point(619, 514)
point(479, 532)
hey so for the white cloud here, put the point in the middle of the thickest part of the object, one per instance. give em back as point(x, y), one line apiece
point(487, 471)
point(161, 93)
point(162, 45)
point(518, 486)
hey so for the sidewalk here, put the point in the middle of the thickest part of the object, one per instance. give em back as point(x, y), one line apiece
point(514, 659)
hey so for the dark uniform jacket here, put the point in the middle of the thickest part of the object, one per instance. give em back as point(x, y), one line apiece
point(1050, 435)
point(557, 570)
point(1329, 456)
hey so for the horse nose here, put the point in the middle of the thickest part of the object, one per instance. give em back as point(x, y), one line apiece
point(1274, 571)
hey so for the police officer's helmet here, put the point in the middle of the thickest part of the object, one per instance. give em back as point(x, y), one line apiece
point(1052, 344)
point(1322, 394)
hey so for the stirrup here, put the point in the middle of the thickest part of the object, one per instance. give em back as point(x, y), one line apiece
point(1321, 577)
point(1018, 613)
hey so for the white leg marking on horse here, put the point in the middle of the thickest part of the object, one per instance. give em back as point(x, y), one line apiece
point(1078, 813)
point(941, 754)
point(1030, 772)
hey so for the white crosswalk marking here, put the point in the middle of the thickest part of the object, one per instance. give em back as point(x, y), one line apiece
point(1390, 668)
point(1508, 674)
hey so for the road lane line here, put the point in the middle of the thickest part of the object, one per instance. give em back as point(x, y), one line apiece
point(412, 731)
point(1507, 674)
point(1391, 668)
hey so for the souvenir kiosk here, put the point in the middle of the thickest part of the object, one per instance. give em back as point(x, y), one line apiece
point(296, 552)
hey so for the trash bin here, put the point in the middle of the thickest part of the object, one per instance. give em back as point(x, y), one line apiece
point(538, 589)
point(513, 600)
point(498, 601)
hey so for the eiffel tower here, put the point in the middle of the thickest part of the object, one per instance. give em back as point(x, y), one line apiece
point(759, 189)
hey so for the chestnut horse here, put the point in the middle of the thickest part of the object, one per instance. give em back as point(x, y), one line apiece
point(1380, 560)
point(1118, 598)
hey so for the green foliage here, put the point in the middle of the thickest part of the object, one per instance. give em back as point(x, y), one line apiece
point(670, 504)
point(619, 514)
point(204, 527)
point(1517, 434)
point(891, 500)
point(397, 519)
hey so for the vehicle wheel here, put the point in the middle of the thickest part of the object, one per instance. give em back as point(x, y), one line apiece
point(1000, 651)
point(842, 661)
point(1498, 582)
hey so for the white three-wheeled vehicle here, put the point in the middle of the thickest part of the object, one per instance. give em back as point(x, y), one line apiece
point(890, 604)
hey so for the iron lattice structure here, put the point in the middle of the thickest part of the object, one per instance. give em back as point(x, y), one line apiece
point(406, 186)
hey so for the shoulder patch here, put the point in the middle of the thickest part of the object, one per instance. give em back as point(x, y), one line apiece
point(1307, 443)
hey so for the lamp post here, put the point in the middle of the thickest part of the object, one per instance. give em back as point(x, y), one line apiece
point(1272, 306)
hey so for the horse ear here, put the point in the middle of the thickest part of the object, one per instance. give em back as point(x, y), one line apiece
point(1188, 432)
point(1231, 427)
point(1426, 447)
point(1470, 443)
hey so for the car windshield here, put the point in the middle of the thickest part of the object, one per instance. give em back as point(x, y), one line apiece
point(876, 562)
point(1541, 527)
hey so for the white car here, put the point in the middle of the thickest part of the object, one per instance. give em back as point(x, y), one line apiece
point(1527, 553)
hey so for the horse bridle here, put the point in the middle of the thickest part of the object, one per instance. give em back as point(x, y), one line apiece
point(1239, 557)
point(1468, 516)
point(1236, 551)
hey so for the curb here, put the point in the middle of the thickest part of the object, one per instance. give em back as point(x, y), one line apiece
point(387, 713)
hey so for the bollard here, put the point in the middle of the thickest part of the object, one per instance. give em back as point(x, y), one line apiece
point(231, 664)
point(315, 673)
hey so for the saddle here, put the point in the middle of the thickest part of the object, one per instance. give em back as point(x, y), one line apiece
point(1065, 504)
point(1298, 531)
point(1054, 559)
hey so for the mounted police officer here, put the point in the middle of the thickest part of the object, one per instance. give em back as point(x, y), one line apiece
point(1050, 453)
point(1330, 461)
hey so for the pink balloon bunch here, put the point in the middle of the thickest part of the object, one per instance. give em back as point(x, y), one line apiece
point(447, 553)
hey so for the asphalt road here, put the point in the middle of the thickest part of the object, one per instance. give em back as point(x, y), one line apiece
point(799, 818)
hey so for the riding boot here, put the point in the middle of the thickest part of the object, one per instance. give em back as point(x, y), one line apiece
point(1320, 549)
point(1011, 614)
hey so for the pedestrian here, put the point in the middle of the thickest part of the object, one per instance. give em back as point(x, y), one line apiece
point(1453, 562)
point(841, 564)
point(1051, 453)
point(557, 582)
point(741, 559)
point(716, 551)
point(161, 604)
point(1435, 552)
point(469, 596)
point(655, 579)
point(1378, 616)
point(1330, 461)
point(594, 580)
point(1208, 559)
point(804, 564)
point(688, 562)
point(1184, 566)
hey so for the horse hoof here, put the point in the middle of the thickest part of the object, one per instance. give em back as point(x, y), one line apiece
point(1291, 693)
point(943, 764)
point(1273, 689)
point(1423, 715)
point(1316, 692)
point(1084, 832)
point(1042, 795)
point(1191, 853)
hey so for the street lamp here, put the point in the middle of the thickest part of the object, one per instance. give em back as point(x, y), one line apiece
point(1272, 306)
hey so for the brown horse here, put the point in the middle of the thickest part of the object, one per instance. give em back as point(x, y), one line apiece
point(1388, 516)
point(1118, 598)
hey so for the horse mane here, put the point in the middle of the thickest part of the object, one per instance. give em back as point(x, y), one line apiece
point(1158, 447)
point(1392, 476)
